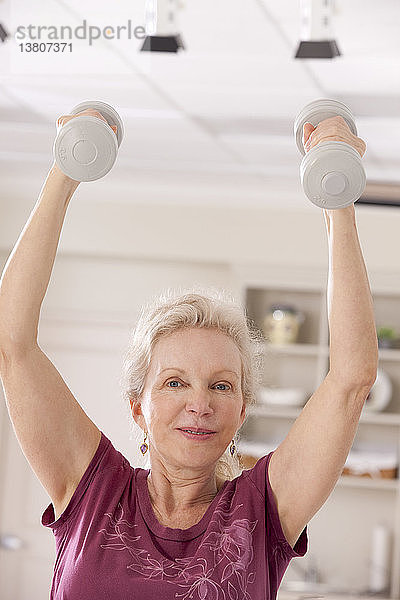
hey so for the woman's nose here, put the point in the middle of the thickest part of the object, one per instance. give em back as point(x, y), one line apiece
point(199, 402)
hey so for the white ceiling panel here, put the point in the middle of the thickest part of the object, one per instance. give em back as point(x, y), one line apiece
point(241, 103)
point(382, 137)
point(171, 140)
point(377, 75)
point(45, 98)
point(276, 152)
point(228, 27)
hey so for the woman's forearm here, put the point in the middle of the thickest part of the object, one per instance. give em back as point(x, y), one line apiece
point(353, 340)
point(27, 272)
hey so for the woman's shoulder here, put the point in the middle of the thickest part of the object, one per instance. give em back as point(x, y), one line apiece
point(257, 474)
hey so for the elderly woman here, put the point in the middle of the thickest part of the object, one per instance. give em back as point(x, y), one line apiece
point(193, 525)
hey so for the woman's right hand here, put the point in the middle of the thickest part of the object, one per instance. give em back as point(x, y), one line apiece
point(61, 121)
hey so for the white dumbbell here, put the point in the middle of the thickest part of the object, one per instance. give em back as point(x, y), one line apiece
point(332, 174)
point(86, 147)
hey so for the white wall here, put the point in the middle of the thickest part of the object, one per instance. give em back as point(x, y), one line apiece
point(172, 222)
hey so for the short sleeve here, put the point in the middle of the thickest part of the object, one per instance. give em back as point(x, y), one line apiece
point(106, 457)
point(259, 475)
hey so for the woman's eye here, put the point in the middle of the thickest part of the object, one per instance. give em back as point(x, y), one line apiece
point(173, 381)
point(225, 384)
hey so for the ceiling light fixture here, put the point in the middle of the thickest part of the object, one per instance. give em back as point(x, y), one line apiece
point(316, 30)
point(3, 33)
point(161, 22)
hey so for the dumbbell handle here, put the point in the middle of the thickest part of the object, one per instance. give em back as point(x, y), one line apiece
point(318, 110)
point(107, 111)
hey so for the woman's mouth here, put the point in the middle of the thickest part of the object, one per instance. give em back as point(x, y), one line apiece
point(200, 435)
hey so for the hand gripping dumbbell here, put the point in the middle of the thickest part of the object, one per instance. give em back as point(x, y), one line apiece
point(86, 147)
point(332, 174)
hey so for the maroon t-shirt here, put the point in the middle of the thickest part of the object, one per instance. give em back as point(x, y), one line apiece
point(110, 546)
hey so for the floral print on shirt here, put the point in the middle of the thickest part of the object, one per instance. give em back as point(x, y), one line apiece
point(229, 544)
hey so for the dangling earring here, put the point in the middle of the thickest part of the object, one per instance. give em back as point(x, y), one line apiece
point(232, 447)
point(144, 447)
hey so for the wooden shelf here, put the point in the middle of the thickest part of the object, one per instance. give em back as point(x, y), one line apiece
point(350, 481)
point(297, 349)
point(323, 349)
point(389, 354)
point(282, 412)
point(390, 485)
point(383, 418)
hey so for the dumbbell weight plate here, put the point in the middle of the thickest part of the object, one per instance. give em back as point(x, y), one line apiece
point(317, 111)
point(86, 147)
point(332, 175)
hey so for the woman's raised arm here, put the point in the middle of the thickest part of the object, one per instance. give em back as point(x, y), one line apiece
point(56, 436)
point(306, 466)
point(27, 272)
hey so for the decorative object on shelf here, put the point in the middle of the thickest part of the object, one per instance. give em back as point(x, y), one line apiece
point(388, 338)
point(250, 452)
point(282, 323)
point(282, 396)
point(380, 394)
point(380, 560)
point(372, 464)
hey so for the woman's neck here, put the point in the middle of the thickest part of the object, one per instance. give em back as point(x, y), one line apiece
point(168, 496)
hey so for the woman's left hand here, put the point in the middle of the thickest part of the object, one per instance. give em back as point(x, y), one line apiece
point(334, 128)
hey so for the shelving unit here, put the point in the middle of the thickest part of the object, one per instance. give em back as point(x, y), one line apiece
point(379, 418)
point(304, 364)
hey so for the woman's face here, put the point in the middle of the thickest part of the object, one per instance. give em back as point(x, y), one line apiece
point(194, 380)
